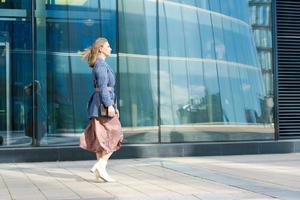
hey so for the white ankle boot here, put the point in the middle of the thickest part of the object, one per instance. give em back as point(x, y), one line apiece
point(93, 169)
point(100, 168)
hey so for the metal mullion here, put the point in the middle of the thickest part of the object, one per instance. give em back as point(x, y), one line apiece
point(34, 103)
point(158, 73)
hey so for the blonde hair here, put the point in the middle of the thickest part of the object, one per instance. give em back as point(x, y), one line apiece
point(90, 54)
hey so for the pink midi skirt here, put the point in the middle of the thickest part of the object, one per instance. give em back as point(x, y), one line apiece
point(102, 135)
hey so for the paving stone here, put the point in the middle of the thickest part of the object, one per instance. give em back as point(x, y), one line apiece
point(220, 177)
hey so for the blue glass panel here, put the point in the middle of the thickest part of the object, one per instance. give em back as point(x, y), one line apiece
point(218, 38)
point(218, 81)
point(236, 86)
point(210, 72)
point(62, 29)
point(174, 29)
point(232, 8)
point(16, 4)
point(215, 5)
point(225, 9)
point(189, 2)
point(227, 94)
point(212, 92)
point(138, 25)
point(250, 111)
point(192, 37)
point(16, 107)
point(236, 41)
point(179, 87)
point(166, 96)
point(163, 37)
point(138, 70)
point(197, 107)
point(60, 98)
point(202, 4)
point(245, 45)
point(206, 34)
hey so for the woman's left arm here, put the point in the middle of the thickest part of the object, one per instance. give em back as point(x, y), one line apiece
point(102, 80)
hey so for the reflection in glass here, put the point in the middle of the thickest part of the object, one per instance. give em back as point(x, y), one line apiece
point(62, 29)
point(138, 71)
point(230, 102)
point(199, 71)
point(261, 24)
point(15, 74)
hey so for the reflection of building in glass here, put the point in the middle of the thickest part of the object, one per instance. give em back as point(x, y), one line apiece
point(197, 111)
point(209, 46)
point(260, 19)
point(182, 69)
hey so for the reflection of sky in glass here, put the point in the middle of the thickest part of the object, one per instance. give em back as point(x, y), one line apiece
point(207, 59)
point(221, 39)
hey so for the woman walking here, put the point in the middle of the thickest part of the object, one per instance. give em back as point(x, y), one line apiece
point(103, 135)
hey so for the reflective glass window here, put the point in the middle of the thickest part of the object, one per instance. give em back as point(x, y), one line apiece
point(138, 71)
point(201, 70)
point(206, 35)
point(215, 5)
point(62, 29)
point(16, 88)
point(219, 93)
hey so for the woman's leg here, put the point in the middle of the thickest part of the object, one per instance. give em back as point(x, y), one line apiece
point(106, 156)
point(101, 167)
point(98, 155)
point(103, 155)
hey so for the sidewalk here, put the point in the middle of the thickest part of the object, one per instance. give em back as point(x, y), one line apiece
point(208, 178)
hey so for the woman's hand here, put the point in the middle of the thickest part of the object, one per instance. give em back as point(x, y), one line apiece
point(111, 111)
point(117, 113)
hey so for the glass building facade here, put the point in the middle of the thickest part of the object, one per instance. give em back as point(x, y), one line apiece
point(187, 70)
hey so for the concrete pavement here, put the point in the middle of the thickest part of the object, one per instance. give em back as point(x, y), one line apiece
point(254, 177)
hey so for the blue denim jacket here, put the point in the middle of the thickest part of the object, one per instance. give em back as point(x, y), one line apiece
point(104, 79)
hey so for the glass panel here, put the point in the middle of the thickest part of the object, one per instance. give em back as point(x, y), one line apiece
point(16, 110)
point(215, 70)
point(174, 29)
point(211, 86)
point(15, 6)
point(206, 35)
point(138, 70)
point(260, 12)
point(215, 5)
point(227, 96)
point(62, 29)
